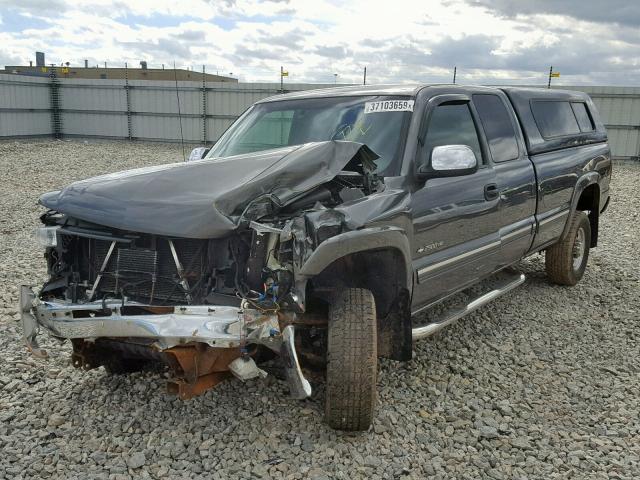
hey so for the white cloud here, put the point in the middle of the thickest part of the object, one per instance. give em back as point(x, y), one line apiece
point(398, 41)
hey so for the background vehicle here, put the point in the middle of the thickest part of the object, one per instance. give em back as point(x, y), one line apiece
point(315, 228)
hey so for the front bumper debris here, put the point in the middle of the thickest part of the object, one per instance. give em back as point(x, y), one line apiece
point(29, 323)
point(217, 326)
point(220, 327)
point(300, 387)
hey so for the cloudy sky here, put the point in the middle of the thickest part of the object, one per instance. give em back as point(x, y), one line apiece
point(490, 41)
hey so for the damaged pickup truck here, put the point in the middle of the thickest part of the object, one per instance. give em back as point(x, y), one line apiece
point(314, 230)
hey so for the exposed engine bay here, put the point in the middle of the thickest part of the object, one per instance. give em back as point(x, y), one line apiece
point(256, 263)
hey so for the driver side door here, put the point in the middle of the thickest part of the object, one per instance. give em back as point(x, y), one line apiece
point(456, 223)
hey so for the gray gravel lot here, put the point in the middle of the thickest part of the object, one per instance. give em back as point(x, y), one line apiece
point(543, 383)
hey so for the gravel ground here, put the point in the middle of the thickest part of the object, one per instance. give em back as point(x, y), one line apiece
point(543, 383)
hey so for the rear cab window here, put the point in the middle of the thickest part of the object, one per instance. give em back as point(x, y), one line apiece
point(554, 118)
point(582, 116)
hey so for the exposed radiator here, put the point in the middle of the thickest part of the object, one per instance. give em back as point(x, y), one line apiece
point(148, 274)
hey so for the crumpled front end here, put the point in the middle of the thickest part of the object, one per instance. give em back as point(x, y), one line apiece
point(208, 198)
point(167, 265)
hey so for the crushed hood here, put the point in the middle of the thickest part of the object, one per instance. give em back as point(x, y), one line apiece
point(205, 198)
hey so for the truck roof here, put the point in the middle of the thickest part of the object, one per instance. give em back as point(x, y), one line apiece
point(350, 91)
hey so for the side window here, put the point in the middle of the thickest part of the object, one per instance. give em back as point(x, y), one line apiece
point(452, 124)
point(554, 119)
point(583, 117)
point(497, 126)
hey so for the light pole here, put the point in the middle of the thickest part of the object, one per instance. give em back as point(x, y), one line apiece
point(335, 78)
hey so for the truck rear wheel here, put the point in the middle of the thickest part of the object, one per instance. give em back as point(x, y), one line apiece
point(566, 260)
point(352, 360)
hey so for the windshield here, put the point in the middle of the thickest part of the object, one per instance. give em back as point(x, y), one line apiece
point(376, 121)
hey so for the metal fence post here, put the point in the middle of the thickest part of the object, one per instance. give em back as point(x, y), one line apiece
point(126, 89)
point(204, 107)
point(54, 100)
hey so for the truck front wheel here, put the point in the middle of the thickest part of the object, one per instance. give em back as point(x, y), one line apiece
point(566, 260)
point(352, 360)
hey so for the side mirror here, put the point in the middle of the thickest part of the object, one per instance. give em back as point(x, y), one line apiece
point(449, 161)
point(198, 153)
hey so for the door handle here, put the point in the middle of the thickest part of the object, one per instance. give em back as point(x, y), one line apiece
point(491, 191)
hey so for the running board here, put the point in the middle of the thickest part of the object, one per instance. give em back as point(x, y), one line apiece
point(455, 314)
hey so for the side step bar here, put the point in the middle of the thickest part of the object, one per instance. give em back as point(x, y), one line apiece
point(455, 314)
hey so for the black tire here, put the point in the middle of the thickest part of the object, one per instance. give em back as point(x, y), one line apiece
point(352, 360)
point(566, 260)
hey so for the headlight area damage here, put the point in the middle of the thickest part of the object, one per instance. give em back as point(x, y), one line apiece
point(198, 265)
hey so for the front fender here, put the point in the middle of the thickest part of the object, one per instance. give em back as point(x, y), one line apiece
point(371, 238)
point(390, 280)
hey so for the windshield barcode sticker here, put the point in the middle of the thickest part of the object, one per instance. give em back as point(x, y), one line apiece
point(388, 106)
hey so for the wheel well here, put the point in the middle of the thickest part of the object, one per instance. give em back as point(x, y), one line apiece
point(383, 272)
point(589, 201)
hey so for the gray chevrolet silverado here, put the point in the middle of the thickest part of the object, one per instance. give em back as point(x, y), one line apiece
point(307, 238)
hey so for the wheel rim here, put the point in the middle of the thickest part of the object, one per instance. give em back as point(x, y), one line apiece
point(579, 248)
